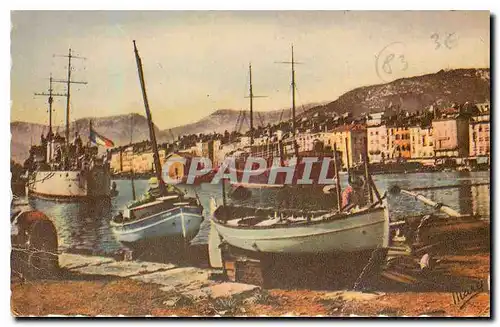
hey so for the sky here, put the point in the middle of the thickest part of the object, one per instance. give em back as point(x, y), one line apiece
point(196, 62)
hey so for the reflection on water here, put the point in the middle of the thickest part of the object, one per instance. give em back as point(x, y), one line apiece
point(85, 225)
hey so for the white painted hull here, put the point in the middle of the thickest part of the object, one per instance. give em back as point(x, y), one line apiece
point(177, 223)
point(70, 184)
point(358, 232)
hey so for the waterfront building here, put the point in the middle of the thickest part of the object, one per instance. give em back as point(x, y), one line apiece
point(451, 136)
point(115, 164)
point(127, 157)
point(375, 119)
point(479, 135)
point(399, 145)
point(356, 143)
point(143, 162)
point(377, 143)
point(422, 142)
point(306, 141)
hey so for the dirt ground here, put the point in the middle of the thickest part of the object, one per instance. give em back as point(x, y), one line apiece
point(93, 296)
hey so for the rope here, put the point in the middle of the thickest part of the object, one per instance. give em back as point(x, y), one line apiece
point(422, 222)
point(375, 258)
point(41, 180)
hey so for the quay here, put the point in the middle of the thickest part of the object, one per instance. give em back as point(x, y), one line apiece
point(101, 286)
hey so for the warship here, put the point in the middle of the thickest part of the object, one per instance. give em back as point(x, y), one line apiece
point(58, 169)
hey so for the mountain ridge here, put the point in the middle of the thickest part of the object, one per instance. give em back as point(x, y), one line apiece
point(411, 93)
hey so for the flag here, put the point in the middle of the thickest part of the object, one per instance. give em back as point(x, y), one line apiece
point(98, 139)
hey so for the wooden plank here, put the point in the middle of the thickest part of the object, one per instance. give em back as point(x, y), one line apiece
point(214, 251)
point(398, 277)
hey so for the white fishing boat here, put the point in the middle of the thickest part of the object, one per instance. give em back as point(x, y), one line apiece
point(167, 218)
point(299, 232)
point(164, 214)
point(357, 223)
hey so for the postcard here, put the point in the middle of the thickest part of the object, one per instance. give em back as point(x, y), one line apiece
point(250, 163)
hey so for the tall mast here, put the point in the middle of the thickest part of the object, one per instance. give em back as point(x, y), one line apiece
point(68, 83)
point(68, 88)
point(293, 96)
point(50, 95)
point(132, 168)
point(156, 156)
point(294, 129)
point(250, 95)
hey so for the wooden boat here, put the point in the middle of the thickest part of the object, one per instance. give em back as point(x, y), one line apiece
point(303, 232)
point(358, 227)
point(168, 217)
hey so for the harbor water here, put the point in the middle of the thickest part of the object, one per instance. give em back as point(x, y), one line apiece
point(84, 226)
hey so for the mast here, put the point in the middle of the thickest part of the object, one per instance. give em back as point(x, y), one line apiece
point(156, 156)
point(132, 168)
point(50, 95)
point(250, 92)
point(68, 88)
point(337, 178)
point(347, 159)
point(251, 96)
point(294, 127)
point(293, 96)
point(68, 83)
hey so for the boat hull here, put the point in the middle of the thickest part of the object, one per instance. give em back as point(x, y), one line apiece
point(181, 223)
point(70, 185)
point(358, 232)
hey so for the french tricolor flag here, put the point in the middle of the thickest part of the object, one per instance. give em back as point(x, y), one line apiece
point(98, 139)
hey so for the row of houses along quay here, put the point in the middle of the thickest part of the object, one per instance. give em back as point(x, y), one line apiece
point(433, 138)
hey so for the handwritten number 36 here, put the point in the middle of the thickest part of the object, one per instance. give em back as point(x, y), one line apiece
point(386, 66)
point(449, 41)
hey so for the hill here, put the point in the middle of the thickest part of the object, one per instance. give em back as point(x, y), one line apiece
point(116, 128)
point(414, 93)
